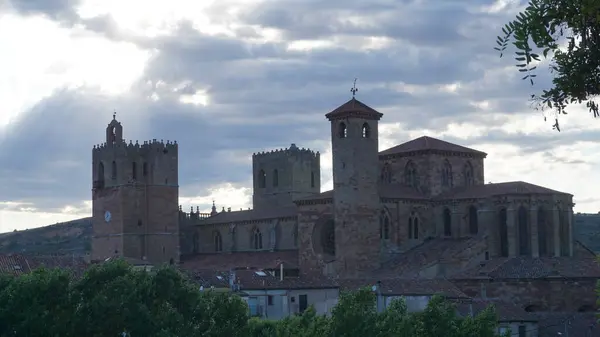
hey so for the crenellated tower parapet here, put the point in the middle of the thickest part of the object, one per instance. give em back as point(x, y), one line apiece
point(284, 175)
point(152, 162)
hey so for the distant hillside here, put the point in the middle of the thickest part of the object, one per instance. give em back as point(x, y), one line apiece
point(72, 237)
point(587, 230)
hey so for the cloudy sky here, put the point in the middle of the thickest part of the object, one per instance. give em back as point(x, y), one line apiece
point(228, 78)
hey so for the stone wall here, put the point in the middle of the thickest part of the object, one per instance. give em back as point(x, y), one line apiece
point(558, 294)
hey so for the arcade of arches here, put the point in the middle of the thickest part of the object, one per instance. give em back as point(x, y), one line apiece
point(520, 230)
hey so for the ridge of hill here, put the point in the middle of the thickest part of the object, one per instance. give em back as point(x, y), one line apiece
point(64, 238)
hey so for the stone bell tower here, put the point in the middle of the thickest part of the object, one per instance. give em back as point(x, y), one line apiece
point(135, 199)
point(356, 203)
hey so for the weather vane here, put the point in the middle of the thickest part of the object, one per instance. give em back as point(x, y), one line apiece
point(354, 89)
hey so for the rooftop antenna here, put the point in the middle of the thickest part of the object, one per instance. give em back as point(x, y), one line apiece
point(354, 89)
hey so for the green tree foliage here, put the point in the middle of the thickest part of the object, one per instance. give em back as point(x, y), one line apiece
point(113, 298)
point(544, 25)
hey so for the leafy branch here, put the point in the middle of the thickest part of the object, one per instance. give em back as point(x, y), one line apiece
point(576, 68)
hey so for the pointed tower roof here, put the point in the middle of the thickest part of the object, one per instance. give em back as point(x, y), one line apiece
point(354, 108)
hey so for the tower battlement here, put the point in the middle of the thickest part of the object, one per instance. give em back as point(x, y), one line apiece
point(146, 146)
point(293, 150)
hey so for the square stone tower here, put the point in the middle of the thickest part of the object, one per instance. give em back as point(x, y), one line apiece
point(135, 199)
point(356, 202)
point(282, 176)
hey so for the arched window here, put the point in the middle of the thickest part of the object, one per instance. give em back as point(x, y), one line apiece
point(564, 232)
point(312, 179)
point(447, 222)
point(366, 131)
point(114, 170)
point(473, 221)
point(468, 174)
point(416, 230)
point(196, 242)
point(410, 175)
point(145, 169)
point(328, 237)
point(413, 227)
point(384, 226)
point(342, 130)
point(447, 174)
point(386, 174)
point(218, 241)
point(295, 234)
point(133, 170)
point(101, 172)
point(524, 248)
point(256, 239)
point(261, 179)
point(542, 232)
point(275, 178)
point(503, 227)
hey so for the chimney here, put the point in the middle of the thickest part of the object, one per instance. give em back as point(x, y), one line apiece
point(228, 209)
point(281, 271)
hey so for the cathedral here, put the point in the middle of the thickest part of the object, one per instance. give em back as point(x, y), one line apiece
point(420, 210)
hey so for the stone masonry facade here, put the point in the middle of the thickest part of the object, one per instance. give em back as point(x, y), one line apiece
point(418, 210)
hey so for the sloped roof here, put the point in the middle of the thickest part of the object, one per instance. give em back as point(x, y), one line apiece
point(530, 267)
point(497, 189)
point(258, 279)
point(228, 261)
point(390, 191)
point(407, 287)
point(356, 108)
point(426, 143)
point(251, 215)
point(411, 262)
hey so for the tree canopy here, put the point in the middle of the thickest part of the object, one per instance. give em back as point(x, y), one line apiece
point(113, 298)
point(567, 33)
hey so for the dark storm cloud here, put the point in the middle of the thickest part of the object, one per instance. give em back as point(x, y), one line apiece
point(263, 95)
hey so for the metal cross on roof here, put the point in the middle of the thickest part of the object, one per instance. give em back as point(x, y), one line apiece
point(115, 114)
point(354, 89)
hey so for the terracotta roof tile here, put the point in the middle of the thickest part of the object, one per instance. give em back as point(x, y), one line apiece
point(257, 279)
point(227, 261)
point(14, 264)
point(406, 287)
point(389, 191)
point(529, 267)
point(506, 312)
point(496, 189)
point(426, 143)
point(355, 107)
point(19, 264)
point(251, 215)
point(411, 262)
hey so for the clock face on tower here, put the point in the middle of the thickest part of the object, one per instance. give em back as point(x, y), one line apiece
point(107, 216)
